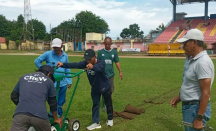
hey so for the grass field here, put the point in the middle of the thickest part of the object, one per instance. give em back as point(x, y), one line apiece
point(72, 52)
point(157, 80)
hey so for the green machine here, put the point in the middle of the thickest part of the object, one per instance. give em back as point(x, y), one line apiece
point(70, 124)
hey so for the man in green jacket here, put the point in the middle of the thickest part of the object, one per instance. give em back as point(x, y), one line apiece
point(110, 56)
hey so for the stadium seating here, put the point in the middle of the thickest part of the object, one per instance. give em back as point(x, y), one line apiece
point(172, 33)
point(175, 50)
point(165, 49)
point(169, 32)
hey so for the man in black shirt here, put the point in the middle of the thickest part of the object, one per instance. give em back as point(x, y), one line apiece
point(100, 85)
point(30, 95)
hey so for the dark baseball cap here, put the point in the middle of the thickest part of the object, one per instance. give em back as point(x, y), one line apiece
point(89, 54)
point(48, 69)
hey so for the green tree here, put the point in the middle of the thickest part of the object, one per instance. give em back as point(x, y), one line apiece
point(132, 32)
point(125, 33)
point(47, 37)
point(17, 31)
point(7, 39)
point(17, 43)
point(16, 34)
point(91, 23)
point(69, 30)
point(161, 27)
point(66, 30)
point(20, 21)
point(39, 30)
point(5, 26)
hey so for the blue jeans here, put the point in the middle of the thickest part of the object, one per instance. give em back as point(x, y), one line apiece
point(61, 100)
point(190, 113)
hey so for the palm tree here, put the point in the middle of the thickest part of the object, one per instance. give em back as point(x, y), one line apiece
point(161, 27)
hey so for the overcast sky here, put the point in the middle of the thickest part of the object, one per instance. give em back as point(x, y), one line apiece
point(119, 14)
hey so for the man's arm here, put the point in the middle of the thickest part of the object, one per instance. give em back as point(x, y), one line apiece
point(38, 61)
point(175, 101)
point(80, 65)
point(204, 73)
point(118, 66)
point(69, 80)
point(53, 103)
point(15, 97)
point(99, 67)
point(116, 59)
point(205, 87)
point(15, 94)
point(53, 106)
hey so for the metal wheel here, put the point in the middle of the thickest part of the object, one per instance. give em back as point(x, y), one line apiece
point(74, 125)
point(53, 128)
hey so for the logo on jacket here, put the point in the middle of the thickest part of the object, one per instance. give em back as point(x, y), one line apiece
point(107, 61)
point(103, 55)
point(35, 79)
point(112, 56)
point(91, 72)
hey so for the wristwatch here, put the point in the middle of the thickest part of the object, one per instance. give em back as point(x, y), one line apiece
point(199, 117)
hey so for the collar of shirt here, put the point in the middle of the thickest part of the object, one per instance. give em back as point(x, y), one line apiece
point(202, 53)
point(53, 52)
point(108, 50)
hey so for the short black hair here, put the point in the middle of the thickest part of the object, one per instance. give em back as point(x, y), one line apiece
point(199, 42)
point(46, 73)
point(108, 38)
point(43, 71)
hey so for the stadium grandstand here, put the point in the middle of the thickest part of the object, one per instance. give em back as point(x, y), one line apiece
point(165, 43)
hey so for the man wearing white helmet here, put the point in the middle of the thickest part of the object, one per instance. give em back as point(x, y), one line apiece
point(197, 81)
point(52, 57)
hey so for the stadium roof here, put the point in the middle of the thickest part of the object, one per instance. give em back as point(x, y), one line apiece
point(178, 2)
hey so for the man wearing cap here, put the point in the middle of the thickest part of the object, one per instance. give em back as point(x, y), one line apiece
point(30, 95)
point(110, 56)
point(100, 85)
point(197, 81)
point(52, 57)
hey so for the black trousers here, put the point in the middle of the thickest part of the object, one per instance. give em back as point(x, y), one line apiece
point(96, 105)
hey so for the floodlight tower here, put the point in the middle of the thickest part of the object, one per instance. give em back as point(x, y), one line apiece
point(181, 2)
point(28, 25)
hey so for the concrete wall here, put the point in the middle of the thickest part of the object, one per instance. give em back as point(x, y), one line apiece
point(140, 45)
point(3, 46)
point(12, 45)
point(28, 45)
point(70, 46)
point(83, 45)
point(119, 46)
point(65, 47)
point(40, 46)
point(95, 36)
